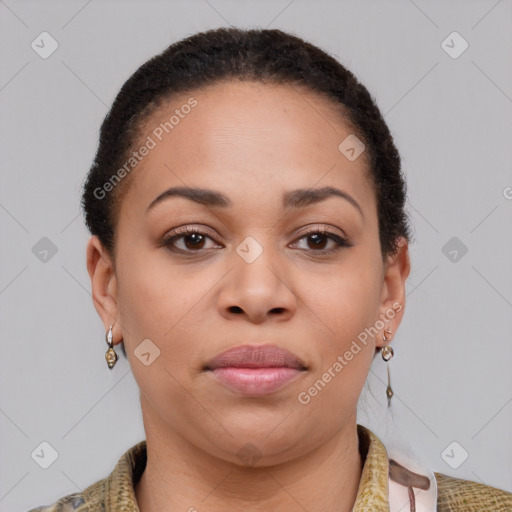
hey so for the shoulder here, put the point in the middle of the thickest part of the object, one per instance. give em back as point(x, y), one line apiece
point(458, 495)
point(91, 499)
point(117, 488)
point(71, 502)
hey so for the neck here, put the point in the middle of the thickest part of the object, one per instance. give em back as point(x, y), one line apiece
point(181, 476)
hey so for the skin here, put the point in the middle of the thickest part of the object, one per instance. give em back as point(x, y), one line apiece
point(252, 142)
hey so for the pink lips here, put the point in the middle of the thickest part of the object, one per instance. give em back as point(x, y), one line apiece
point(256, 369)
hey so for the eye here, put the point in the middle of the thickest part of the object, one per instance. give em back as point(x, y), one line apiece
point(193, 240)
point(319, 237)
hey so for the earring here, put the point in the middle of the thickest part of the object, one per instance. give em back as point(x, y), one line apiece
point(387, 354)
point(110, 354)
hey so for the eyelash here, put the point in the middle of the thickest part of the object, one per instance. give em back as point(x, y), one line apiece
point(339, 241)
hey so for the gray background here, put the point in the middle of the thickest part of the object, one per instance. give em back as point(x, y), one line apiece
point(451, 119)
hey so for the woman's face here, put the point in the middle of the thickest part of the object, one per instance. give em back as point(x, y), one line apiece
point(260, 272)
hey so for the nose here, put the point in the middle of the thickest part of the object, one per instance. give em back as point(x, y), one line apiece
point(258, 290)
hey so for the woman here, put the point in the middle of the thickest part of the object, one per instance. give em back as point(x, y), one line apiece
point(250, 250)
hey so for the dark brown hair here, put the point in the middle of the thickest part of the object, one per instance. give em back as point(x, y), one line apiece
point(266, 56)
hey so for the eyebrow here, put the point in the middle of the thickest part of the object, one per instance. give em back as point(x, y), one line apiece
point(299, 198)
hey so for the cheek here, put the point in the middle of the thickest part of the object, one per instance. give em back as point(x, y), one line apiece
point(348, 300)
point(154, 293)
point(345, 310)
point(155, 306)
point(158, 301)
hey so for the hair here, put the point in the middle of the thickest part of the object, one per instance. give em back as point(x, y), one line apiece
point(257, 55)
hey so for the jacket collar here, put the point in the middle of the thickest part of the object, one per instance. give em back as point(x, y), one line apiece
point(372, 493)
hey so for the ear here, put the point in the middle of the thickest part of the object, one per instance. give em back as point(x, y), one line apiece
point(392, 308)
point(104, 286)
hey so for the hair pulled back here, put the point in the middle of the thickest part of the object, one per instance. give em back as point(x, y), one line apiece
point(260, 55)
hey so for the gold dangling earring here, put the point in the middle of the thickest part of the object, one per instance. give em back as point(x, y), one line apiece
point(387, 354)
point(110, 354)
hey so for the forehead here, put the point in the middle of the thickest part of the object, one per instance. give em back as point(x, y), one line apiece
point(246, 138)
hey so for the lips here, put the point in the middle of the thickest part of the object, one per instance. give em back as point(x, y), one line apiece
point(256, 356)
point(255, 370)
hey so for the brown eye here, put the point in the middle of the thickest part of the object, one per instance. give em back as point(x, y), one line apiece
point(194, 241)
point(317, 239)
point(190, 239)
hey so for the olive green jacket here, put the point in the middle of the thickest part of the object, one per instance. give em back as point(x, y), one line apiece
point(447, 494)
